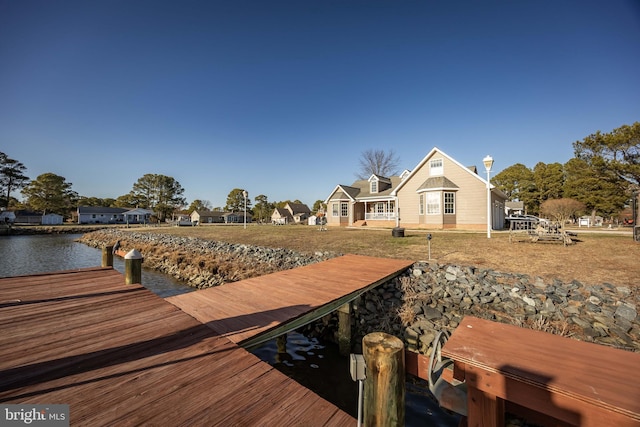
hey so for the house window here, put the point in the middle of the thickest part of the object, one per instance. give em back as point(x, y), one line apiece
point(380, 208)
point(374, 186)
point(449, 203)
point(421, 204)
point(436, 167)
point(336, 209)
point(344, 209)
point(433, 203)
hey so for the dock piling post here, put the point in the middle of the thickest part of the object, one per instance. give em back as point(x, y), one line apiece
point(107, 256)
point(344, 329)
point(133, 267)
point(384, 387)
point(281, 342)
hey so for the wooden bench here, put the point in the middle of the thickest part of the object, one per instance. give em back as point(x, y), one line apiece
point(550, 379)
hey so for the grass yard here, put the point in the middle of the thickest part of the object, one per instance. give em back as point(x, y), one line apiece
point(596, 258)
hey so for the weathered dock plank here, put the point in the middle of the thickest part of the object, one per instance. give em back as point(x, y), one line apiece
point(243, 311)
point(120, 355)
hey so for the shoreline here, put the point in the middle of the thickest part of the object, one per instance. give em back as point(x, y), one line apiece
point(428, 297)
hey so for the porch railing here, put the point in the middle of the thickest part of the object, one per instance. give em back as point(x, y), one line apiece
point(380, 216)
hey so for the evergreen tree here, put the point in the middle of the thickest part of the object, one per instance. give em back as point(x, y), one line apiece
point(236, 201)
point(50, 193)
point(159, 193)
point(12, 178)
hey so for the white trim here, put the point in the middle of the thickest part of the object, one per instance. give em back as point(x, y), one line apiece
point(334, 191)
point(427, 158)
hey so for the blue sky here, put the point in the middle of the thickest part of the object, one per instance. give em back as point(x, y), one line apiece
point(282, 97)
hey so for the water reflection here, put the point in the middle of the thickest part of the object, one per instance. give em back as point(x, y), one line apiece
point(33, 254)
point(319, 367)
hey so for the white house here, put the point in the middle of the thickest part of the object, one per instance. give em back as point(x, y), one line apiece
point(104, 215)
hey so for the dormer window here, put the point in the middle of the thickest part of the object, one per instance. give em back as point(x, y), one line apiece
point(436, 167)
point(378, 184)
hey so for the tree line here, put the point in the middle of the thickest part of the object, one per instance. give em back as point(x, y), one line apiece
point(601, 178)
point(51, 193)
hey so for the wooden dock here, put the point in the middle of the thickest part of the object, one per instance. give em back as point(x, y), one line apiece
point(256, 310)
point(120, 355)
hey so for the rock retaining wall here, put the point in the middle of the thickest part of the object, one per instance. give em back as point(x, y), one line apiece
point(202, 263)
point(431, 297)
point(426, 298)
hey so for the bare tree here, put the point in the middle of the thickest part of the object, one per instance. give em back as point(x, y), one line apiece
point(561, 210)
point(379, 162)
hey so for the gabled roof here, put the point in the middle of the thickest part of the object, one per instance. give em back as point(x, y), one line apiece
point(380, 178)
point(365, 189)
point(297, 208)
point(438, 183)
point(343, 190)
point(282, 212)
point(138, 211)
point(514, 205)
point(429, 156)
point(361, 189)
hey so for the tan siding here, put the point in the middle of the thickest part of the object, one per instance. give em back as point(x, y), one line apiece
point(471, 207)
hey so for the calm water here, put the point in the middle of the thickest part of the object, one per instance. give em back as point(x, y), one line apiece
point(314, 364)
point(21, 255)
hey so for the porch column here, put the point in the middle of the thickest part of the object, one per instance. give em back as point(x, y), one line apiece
point(352, 212)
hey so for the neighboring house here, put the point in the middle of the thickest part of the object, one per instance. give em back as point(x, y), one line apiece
point(236, 217)
point(104, 215)
point(207, 217)
point(439, 193)
point(24, 216)
point(281, 216)
point(513, 208)
point(299, 211)
point(7, 217)
point(291, 213)
point(138, 216)
point(52, 219)
point(588, 221)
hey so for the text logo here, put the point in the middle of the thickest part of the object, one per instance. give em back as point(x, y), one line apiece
point(34, 415)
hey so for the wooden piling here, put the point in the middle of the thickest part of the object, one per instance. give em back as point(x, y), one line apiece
point(133, 267)
point(384, 387)
point(107, 256)
point(281, 343)
point(344, 329)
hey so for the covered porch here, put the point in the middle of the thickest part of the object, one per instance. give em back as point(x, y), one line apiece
point(375, 210)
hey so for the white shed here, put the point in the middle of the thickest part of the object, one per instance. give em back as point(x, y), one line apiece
point(7, 217)
point(52, 219)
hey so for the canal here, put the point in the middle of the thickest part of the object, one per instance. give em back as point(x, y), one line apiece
point(315, 364)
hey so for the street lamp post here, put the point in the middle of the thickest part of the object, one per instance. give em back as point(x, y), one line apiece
point(488, 162)
point(244, 193)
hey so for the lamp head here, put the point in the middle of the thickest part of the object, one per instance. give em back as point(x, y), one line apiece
point(488, 162)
